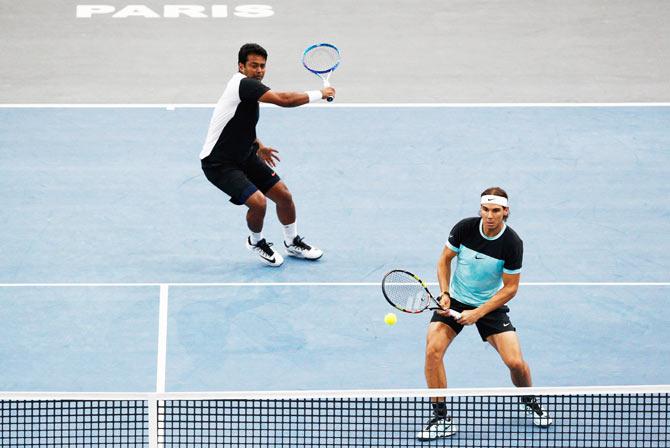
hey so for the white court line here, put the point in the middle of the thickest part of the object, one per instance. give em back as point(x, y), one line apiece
point(155, 420)
point(297, 284)
point(171, 106)
point(162, 339)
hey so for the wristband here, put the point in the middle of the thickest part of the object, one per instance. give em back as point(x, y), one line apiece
point(446, 293)
point(314, 95)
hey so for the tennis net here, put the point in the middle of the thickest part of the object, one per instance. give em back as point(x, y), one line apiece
point(627, 416)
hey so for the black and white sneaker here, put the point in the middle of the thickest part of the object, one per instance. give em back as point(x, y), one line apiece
point(530, 405)
point(436, 428)
point(264, 250)
point(299, 249)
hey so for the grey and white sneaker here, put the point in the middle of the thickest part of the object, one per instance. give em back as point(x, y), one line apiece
point(265, 252)
point(531, 406)
point(299, 249)
point(436, 428)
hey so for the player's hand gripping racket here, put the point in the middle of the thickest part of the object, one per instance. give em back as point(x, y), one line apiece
point(409, 293)
point(322, 60)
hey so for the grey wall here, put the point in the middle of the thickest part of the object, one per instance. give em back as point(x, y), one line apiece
point(393, 51)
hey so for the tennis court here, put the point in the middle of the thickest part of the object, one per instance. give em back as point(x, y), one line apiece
point(125, 284)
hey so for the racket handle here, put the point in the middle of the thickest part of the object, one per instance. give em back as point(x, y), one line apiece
point(455, 314)
point(327, 84)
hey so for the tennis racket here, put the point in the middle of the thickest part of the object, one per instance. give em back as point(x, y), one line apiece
point(322, 60)
point(409, 293)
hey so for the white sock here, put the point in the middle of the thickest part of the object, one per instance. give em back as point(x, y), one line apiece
point(256, 237)
point(290, 232)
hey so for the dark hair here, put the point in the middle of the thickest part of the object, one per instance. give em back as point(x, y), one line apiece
point(248, 49)
point(497, 191)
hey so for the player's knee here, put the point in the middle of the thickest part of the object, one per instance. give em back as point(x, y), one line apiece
point(517, 364)
point(285, 198)
point(257, 202)
point(288, 197)
point(434, 353)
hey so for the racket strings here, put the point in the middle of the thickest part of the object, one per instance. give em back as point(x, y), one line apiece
point(321, 59)
point(406, 292)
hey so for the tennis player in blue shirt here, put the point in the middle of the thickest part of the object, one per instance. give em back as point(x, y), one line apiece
point(489, 256)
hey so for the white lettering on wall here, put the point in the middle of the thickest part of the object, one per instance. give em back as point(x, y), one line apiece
point(254, 11)
point(136, 11)
point(174, 11)
point(193, 11)
point(219, 11)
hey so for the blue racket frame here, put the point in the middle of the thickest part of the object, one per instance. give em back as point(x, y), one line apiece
point(323, 44)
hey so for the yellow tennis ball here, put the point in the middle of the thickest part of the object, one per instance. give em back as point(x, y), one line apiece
point(390, 319)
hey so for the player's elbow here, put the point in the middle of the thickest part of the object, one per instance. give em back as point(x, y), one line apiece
point(511, 290)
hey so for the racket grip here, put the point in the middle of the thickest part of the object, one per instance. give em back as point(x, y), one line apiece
point(327, 84)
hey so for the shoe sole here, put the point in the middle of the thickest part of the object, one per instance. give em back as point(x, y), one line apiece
point(440, 436)
point(268, 263)
point(542, 422)
point(301, 256)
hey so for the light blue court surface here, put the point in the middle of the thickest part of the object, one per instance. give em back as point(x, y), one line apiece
point(117, 196)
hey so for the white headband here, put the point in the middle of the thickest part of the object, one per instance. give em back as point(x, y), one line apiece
point(493, 199)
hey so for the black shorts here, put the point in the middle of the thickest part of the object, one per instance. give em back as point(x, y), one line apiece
point(497, 321)
point(240, 180)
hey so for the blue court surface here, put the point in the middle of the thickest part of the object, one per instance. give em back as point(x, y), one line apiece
point(116, 196)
